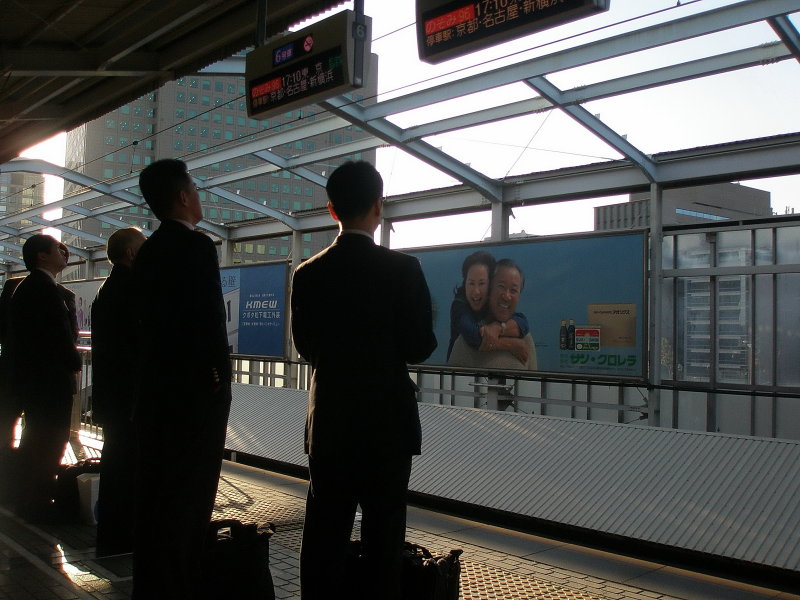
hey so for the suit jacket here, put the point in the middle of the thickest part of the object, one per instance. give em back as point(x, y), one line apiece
point(42, 335)
point(183, 339)
point(114, 347)
point(360, 313)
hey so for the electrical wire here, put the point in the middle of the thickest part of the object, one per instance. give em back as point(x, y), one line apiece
point(311, 114)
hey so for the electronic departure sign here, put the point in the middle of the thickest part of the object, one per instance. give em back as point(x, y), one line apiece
point(300, 68)
point(450, 28)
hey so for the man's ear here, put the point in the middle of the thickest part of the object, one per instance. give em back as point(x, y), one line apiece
point(333, 212)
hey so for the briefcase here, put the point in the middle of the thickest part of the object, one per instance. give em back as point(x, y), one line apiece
point(236, 563)
point(425, 576)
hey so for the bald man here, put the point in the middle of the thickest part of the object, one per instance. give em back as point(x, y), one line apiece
point(114, 363)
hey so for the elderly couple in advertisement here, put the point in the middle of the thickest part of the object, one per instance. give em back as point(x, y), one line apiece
point(486, 331)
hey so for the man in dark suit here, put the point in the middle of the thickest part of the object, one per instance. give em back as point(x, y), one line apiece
point(10, 407)
point(182, 411)
point(114, 369)
point(44, 363)
point(360, 313)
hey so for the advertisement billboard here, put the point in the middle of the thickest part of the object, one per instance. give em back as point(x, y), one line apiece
point(255, 303)
point(568, 305)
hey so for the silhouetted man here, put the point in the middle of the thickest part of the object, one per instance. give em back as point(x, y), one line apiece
point(185, 395)
point(10, 407)
point(44, 363)
point(114, 369)
point(360, 313)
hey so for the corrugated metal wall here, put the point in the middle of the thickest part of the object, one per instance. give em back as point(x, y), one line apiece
point(731, 496)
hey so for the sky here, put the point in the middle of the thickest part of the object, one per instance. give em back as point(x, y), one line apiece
point(757, 102)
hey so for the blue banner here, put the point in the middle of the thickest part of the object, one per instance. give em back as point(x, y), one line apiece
point(255, 303)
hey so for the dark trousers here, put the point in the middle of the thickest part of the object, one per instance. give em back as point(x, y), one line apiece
point(41, 447)
point(10, 411)
point(180, 457)
point(380, 487)
point(116, 497)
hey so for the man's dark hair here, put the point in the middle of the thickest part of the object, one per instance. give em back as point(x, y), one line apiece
point(161, 184)
point(507, 263)
point(35, 244)
point(353, 188)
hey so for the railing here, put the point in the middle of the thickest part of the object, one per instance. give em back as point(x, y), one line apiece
point(741, 413)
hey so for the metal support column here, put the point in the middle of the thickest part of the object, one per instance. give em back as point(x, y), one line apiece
point(656, 303)
point(386, 233)
point(500, 213)
point(226, 253)
point(90, 268)
point(294, 356)
point(261, 23)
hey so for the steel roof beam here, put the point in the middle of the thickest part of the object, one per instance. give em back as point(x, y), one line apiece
point(788, 34)
point(595, 125)
point(713, 21)
point(422, 150)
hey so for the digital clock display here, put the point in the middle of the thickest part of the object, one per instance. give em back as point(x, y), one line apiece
point(446, 29)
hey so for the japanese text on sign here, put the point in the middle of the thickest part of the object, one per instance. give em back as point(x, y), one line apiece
point(315, 75)
point(482, 16)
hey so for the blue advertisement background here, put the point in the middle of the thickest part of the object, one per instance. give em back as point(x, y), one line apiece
point(562, 277)
point(256, 302)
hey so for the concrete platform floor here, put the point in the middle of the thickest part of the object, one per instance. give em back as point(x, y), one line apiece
point(58, 562)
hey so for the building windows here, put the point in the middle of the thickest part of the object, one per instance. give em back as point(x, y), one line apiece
point(180, 97)
point(699, 215)
point(180, 113)
point(109, 140)
point(205, 100)
point(111, 124)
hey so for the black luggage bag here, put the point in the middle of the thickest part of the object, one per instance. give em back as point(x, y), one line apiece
point(425, 576)
point(66, 497)
point(236, 564)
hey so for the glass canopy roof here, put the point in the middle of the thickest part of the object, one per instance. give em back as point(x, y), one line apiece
point(654, 92)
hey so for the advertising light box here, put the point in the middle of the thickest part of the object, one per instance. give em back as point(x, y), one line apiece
point(450, 28)
point(255, 303)
point(569, 305)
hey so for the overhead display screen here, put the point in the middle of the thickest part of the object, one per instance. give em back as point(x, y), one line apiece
point(310, 65)
point(450, 28)
point(573, 305)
